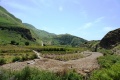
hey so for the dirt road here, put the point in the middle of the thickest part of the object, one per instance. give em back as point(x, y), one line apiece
point(81, 65)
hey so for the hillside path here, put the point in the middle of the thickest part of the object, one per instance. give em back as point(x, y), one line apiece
point(38, 54)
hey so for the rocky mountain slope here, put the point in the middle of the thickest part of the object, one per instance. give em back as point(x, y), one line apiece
point(111, 39)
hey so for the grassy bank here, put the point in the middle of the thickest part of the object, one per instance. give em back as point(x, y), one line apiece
point(35, 74)
point(110, 68)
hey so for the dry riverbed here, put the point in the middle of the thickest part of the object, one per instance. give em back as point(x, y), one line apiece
point(81, 66)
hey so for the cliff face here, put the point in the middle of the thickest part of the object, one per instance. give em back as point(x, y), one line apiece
point(111, 39)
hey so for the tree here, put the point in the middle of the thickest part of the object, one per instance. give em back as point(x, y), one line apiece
point(27, 43)
point(13, 42)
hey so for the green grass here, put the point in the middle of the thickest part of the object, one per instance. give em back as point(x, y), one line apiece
point(106, 51)
point(35, 74)
point(57, 49)
point(7, 36)
point(110, 68)
point(10, 54)
point(12, 28)
point(59, 52)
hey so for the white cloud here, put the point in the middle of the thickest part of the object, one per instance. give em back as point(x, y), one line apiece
point(61, 8)
point(83, 28)
point(91, 24)
point(42, 3)
point(17, 5)
point(76, 2)
point(87, 25)
point(107, 29)
point(99, 19)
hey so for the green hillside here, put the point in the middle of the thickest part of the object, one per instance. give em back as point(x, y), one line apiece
point(53, 39)
point(40, 35)
point(67, 39)
point(12, 29)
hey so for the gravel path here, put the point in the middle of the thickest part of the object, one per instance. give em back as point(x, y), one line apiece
point(82, 65)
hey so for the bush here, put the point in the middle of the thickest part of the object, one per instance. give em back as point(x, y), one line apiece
point(27, 43)
point(33, 56)
point(16, 58)
point(71, 75)
point(2, 61)
point(13, 42)
point(24, 57)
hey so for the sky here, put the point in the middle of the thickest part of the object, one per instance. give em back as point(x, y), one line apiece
point(88, 19)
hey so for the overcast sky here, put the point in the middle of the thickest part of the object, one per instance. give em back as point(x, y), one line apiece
point(89, 19)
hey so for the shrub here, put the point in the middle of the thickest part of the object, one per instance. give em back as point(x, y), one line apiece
point(33, 56)
point(24, 57)
point(13, 42)
point(71, 75)
point(2, 61)
point(16, 58)
point(27, 43)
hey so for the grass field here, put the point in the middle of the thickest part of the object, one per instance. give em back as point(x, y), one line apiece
point(10, 54)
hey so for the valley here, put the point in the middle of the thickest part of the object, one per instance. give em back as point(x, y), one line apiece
point(28, 53)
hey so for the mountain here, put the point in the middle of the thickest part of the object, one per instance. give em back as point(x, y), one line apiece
point(40, 35)
point(12, 29)
point(67, 39)
point(53, 39)
point(111, 39)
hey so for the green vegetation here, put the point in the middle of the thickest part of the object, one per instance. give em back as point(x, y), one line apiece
point(40, 35)
point(106, 51)
point(67, 39)
point(12, 29)
point(110, 68)
point(62, 53)
point(14, 53)
point(17, 40)
point(53, 39)
point(56, 49)
point(2, 61)
point(35, 74)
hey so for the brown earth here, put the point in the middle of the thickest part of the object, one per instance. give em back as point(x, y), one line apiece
point(81, 66)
